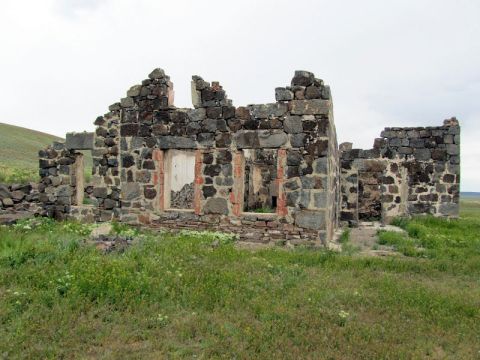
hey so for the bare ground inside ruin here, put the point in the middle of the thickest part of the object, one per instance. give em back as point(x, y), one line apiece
point(364, 239)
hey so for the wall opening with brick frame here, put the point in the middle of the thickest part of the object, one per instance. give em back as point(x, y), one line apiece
point(179, 187)
point(260, 190)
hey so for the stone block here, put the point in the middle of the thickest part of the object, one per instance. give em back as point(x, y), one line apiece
point(320, 200)
point(313, 92)
point(326, 92)
point(212, 170)
point(422, 154)
point(303, 78)
point(417, 143)
point(209, 125)
point(310, 219)
point(216, 206)
point(4, 192)
point(134, 90)
point(7, 202)
point(265, 111)
point(246, 139)
point(283, 94)
point(395, 142)
point(223, 140)
point(206, 139)
point(143, 176)
point(109, 204)
point(294, 158)
point(197, 114)
point(130, 191)
point(405, 150)
point(127, 102)
point(293, 124)
point(439, 154)
point(79, 141)
point(208, 191)
point(193, 128)
point(292, 198)
point(45, 164)
point(100, 192)
point(453, 149)
point(64, 190)
point(304, 200)
point(130, 129)
point(272, 138)
point(310, 107)
point(297, 140)
point(157, 74)
point(175, 142)
point(214, 112)
point(18, 195)
point(320, 166)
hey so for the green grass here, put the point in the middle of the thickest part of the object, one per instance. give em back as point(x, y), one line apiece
point(11, 175)
point(19, 153)
point(180, 297)
point(264, 210)
point(430, 237)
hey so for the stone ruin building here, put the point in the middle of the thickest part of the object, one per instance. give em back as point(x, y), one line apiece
point(270, 172)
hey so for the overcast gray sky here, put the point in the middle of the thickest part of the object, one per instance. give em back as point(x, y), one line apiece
point(389, 63)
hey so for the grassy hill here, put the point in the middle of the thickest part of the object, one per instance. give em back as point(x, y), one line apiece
point(19, 153)
point(19, 146)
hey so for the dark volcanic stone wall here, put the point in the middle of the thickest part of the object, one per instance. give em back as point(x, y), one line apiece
point(412, 170)
point(132, 148)
point(282, 155)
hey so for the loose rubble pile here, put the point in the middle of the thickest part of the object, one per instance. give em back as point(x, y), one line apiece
point(112, 243)
point(18, 201)
point(182, 199)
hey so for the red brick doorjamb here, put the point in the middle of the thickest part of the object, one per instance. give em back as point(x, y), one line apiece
point(159, 178)
point(236, 196)
point(197, 194)
point(282, 198)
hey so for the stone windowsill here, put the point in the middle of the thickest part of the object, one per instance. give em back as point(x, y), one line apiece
point(260, 216)
point(179, 210)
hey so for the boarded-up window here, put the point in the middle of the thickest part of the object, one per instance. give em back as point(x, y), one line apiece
point(179, 179)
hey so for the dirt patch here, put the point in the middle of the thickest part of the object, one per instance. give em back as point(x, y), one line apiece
point(364, 238)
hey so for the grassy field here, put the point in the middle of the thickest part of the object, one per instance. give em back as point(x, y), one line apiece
point(180, 297)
